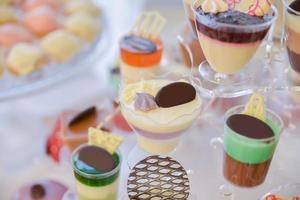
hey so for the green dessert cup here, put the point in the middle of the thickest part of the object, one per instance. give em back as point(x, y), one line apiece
point(247, 159)
point(93, 184)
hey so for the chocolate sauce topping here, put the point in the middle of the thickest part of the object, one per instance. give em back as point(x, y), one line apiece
point(175, 94)
point(208, 25)
point(97, 158)
point(84, 114)
point(138, 44)
point(249, 126)
point(295, 5)
point(37, 191)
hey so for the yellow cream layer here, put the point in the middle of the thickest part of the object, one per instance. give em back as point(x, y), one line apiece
point(131, 74)
point(227, 58)
point(293, 22)
point(159, 120)
point(97, 193)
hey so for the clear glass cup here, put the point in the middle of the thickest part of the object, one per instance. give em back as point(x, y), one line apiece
point(187, 4)
point(292, 34)
point(285, 191)
point(159, 132)
point(228, 47)
point(97, 186)
point(247, 160)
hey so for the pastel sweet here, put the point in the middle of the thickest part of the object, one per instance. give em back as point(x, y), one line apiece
point(86, 6)
point(7, 14)
point(11, 34)
point(29, 5)
point(24, 58)
point(61, 45)
point(41, 21)
point(83, 25)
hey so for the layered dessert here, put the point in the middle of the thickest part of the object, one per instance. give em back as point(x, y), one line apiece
point(41, 190)
point(229, 38)
point(141, 50)
point(293, 34)
point(277, 197)
point(75, 125)
point(159, 110)
point(249, 143)
point(97, 166)
point(140, 57)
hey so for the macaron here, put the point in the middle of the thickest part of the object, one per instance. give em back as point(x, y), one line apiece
point(83, 25)
point(86, 6)
point(11, 34)
point(7, 14)
point(29, 5)
point(41, 21)
point(61, 45)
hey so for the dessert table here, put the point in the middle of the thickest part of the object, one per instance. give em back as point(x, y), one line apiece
point(26, 122)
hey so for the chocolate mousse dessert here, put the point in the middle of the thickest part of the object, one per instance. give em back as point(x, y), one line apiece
point(224, 32)
point(247, 174)
point(293, 34)
point(251, 134)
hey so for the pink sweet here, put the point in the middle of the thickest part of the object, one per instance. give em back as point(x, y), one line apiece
point(29, 5)
point(41, 21)
point(11, 34)
point(52, 190)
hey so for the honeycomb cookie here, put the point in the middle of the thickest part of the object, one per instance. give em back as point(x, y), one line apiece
point(7, 14)
point(61, 45)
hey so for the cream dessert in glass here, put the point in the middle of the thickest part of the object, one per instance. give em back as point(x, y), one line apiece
point(229, 38)
point(141, 50)
point(159, 110)
point(96, 166)
point(292, 39)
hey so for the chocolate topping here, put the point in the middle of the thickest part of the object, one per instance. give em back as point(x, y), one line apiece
point(138, 44)
point(37, 191)
point(295, 5)
point(144, 102)
point(175, 94)
point(208, 25)
point(97, 158)
point(249, 126)
point(90, 112)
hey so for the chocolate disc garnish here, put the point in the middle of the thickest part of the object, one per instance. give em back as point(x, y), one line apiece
point(175, 94)
point(138, 44)
point(97, 158)
point(92, 111)
point(249, 126)
point(158, 177)
point(37, 191)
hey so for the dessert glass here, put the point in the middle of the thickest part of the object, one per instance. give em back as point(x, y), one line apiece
point(187, 4)
point(136, 66)
point(285, 191)
point(292, 34)
point(159, 137)
point(247, 160)
point(228, 48)
point(97, 186)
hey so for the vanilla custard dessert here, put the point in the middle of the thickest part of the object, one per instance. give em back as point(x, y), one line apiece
point(229, 38)
point(160, 110)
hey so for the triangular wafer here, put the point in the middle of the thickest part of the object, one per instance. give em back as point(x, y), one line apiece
point(104, 139)
point(256, 107)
